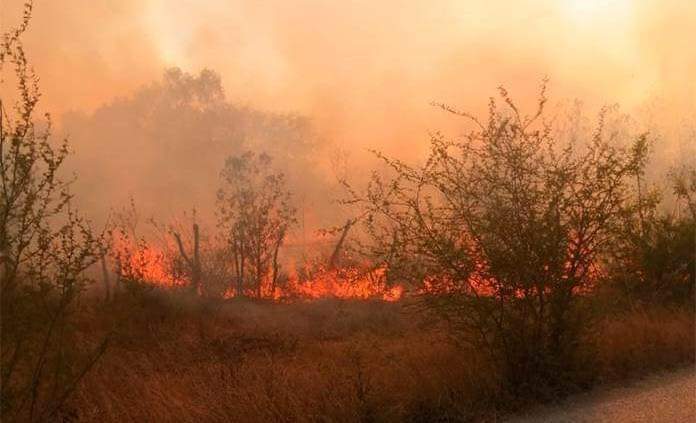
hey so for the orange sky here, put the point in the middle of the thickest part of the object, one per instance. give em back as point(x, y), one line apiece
point(367, 70)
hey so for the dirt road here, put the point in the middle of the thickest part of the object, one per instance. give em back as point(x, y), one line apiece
point(665, 398)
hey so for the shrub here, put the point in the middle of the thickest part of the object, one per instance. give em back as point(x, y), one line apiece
point(45, 246)
point(503, 231)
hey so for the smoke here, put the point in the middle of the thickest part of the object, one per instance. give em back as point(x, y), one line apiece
point(166, 143)
point(362, 73)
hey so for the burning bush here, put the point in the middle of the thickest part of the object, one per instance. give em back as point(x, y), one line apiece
point(176, 261)
point(141, 265)
point(507, 226)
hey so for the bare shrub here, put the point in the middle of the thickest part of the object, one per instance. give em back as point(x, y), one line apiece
point(45, 246)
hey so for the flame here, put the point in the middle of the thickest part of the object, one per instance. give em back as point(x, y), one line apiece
point(345, 283)
point(148, 264)
point(481, 283)
point(143, 262)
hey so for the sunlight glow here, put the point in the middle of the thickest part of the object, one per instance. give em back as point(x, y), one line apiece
point(586, 11)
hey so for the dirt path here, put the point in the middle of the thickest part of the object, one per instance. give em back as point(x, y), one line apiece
point(665, 398)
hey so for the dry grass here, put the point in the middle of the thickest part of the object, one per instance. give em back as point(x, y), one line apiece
point(171, 360)
point(642, 341)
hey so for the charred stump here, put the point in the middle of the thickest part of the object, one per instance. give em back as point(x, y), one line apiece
point(194, 262)
point(334, 259)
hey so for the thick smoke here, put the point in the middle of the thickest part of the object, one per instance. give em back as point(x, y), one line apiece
point(165, 145)
point(310, 77)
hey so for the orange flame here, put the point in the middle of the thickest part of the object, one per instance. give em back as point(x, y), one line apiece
point(148, 264)
point(143, 262)
point(346, 283)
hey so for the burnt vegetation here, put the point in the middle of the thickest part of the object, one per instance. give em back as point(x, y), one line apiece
point(514, 264)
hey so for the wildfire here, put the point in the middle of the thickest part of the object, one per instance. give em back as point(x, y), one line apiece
point(148, 264)
point(346, 283)
point(143, 262)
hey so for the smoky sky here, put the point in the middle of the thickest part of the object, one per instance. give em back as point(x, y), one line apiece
point(362, 64)
point(365, 72)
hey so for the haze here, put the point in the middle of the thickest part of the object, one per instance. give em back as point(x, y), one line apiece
point(364, 73)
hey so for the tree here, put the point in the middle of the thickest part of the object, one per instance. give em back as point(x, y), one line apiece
point(45, 246)
point(504, 229)
point(656, 262)
point(255, 212)
point(684, 186)
point(189, 119)
point(193, 263)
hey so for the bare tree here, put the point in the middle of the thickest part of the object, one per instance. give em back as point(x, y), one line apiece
point(503, 229)
point(45, 247)
point(335, 255)
point(684, 187)
point(106, 277)
point(194, 261)
point(255, 211)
